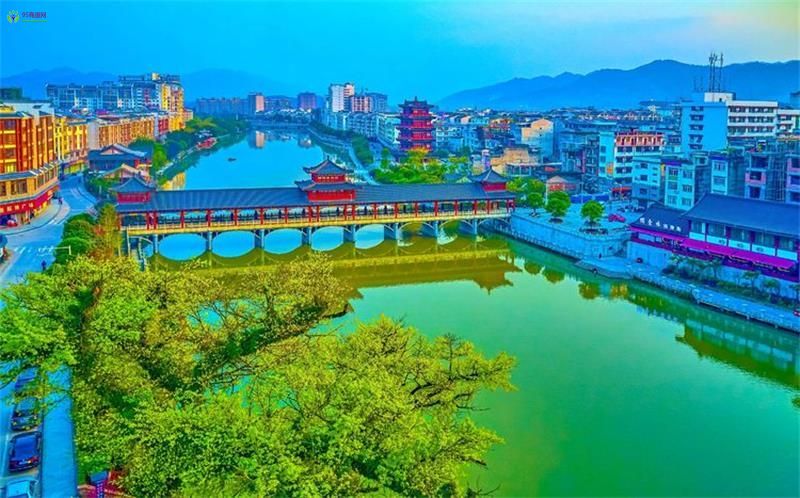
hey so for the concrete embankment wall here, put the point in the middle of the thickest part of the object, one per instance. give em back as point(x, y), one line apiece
point(561, 239)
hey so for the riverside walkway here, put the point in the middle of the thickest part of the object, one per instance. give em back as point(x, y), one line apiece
point(749, 309)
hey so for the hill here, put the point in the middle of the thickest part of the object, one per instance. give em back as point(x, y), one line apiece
point(616, 88)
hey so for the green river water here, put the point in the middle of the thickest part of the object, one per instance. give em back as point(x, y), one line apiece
point(621, 389)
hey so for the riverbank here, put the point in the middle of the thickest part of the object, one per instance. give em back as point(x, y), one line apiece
point(187, 158)
point(604, 254)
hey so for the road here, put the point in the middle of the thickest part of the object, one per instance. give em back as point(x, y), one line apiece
point(29, 245)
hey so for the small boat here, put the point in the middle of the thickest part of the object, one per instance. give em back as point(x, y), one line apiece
point(231, 159)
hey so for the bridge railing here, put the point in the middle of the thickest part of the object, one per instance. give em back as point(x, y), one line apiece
point(296, 220)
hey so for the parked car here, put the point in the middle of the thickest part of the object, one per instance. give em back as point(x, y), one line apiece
point(26, 415)
point(26, 451)
point(24, 378)
point(616, 217)
point(24, 487)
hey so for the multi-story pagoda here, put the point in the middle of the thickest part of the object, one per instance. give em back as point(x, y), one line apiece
point(416, 127)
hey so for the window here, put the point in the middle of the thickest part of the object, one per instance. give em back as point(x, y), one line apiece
point(764, 239)
point(787, 244)
point(687, 188)
point(719, 180)
point(715, 230)
point(740, 235)
point(688, 174)
point(686, 202)
point(671, 199)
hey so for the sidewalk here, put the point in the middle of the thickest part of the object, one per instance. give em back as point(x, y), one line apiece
point(52, 211)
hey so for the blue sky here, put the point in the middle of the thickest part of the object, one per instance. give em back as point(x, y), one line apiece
point(403, 48)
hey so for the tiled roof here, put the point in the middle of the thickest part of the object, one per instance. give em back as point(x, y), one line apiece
point(133, 185)
point(327, 167)
point(660, 218)
point(489, 176)
point(777, 218)
point(311, 186)
point(252, 198)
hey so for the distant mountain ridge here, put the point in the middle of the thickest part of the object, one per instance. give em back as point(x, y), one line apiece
point(617, 88)
point(203, 83)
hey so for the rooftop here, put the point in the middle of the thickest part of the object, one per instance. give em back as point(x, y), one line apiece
point(777, 218)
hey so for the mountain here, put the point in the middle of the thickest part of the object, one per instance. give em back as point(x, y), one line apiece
point(204, 83)
point(33, 82)
point(617, 88)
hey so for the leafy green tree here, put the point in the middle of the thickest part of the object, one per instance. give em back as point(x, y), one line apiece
point(386, 158)
point(416, 167)
point(108, 238)
point(750, 278)
point(592, 212)
point(772, 287)
point(72, 247)
point(558, 204)
point(80, 228)
point(535, 201)
point(192, 385)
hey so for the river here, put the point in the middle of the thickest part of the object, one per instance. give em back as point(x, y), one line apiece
point(621, 389)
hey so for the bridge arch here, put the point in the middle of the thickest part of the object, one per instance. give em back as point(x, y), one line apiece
point(283, 241)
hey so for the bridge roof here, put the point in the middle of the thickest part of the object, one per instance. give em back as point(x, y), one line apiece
point(253, 198)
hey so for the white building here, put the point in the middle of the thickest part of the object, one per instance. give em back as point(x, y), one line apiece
point(339, 95)
point(386, 129)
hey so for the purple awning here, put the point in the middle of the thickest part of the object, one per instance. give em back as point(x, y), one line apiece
point(730, 252)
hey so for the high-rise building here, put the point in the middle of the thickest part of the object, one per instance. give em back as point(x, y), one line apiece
point(793, 178)
point(306, 101)
point(28, 167)
point(766, 171)
point(379, 102)
point(338, 96)
point(71, 143)
point(616, 152)
point(277, 103)
point(360, 103)
point(255, 103)
point(537, 134)
point(416, 125)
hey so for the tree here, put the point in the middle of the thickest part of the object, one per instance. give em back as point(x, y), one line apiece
point(592, 211)
point(772, 287)
point(558, 204)
point(535, 201)
point(386, 158)
point(751, 277)
point(108, 238)
point(196, 386)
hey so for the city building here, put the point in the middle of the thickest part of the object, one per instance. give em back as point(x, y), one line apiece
point(360, 103)
point(416, 128)
point(648, 181)
point(765, 174)
point(255, 103)
point(712, 120)
point(120, 129)
point(71, 141)
point(685, 181)
point(151, 91)
point(339, 95)
point(306, 101)
point(275, 103)
point(537, 134)
point(28, 167)
point(733, 234)
point(115, 156)
point(793, 178)
point(379, 102)
point(616, 152)
point(11, 93)
point(363, 123)
point(704, 122)
point(221, 106)
point(386, 130)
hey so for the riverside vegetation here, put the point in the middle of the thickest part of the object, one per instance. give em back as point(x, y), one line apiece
point(194, 386)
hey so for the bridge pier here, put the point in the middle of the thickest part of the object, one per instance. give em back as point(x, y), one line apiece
point(350, 233)
point(258, 238)
point(154, 239)
point(431, 229)
point(209, 236)
point(392, 231)
point(469, 227)
point(307, 233)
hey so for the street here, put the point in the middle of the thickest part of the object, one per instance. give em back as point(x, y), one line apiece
point(29, 246)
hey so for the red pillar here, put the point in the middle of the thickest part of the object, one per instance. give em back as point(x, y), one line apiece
point(286, 215)
point(474, 207)
point(374, 211)
point(235, 216)
point(435, 208)
point(395, 210)
point(455, 208)
point(208, 218)
point(416, 209)
point(261, 215)
point(183, 219)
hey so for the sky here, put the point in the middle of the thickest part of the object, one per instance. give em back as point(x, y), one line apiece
point(404, 48)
